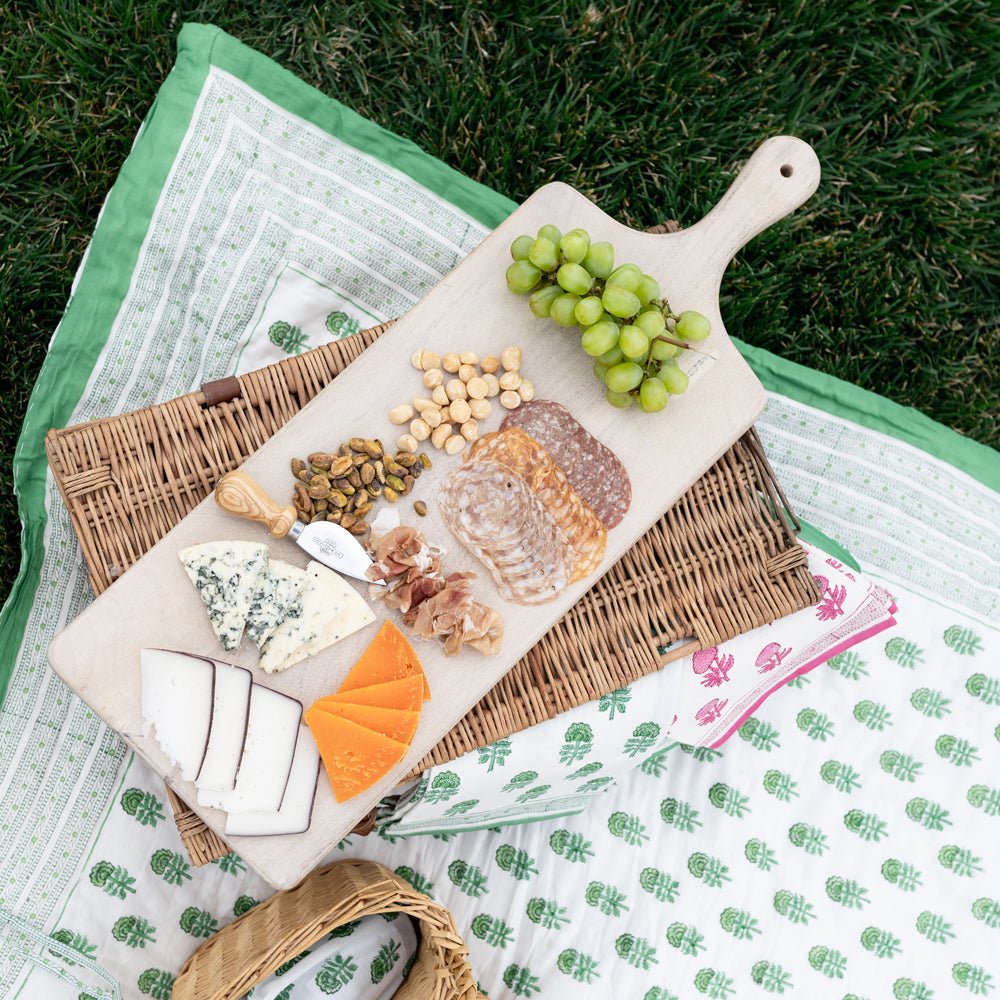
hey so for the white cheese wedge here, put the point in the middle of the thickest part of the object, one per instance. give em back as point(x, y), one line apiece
point(295, 813)
point(230, 716)
point(278, 597)
point(226, 576)
point(272, 733)
point(331, 610)
point(177, 701)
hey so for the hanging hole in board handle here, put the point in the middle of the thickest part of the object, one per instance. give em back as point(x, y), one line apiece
point(779, 176)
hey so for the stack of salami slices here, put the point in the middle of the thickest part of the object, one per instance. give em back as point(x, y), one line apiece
point(365, 729)
point(534, 502)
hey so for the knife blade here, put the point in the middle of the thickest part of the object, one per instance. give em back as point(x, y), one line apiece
point(239, 494)
point(333, 546)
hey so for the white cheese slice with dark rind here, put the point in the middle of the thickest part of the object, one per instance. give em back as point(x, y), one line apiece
point(295, 813)
point(227, 736)
point(278, 597)
point(331, 610)
point(272, 734)
point(177, 701)
point(226, 576)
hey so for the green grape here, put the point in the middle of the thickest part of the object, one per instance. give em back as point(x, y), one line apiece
point(651, 323)
point(620, 302)
point(653, 395)
point(662, 351)
point(692, 325)
point(574, 246)
point(563, 309)
point(627, 276)
point(623, 400)
point(520, 247)
point(599, 339)
point(574, 278)
point(600, 259)
point(550, 233)
point(543, 254)
point(633, 342)
point(612, 357)
point(522, 276)
point(673, 378)
point(540, 301)
point(623, 320)
point(623, 377)
point(589, 311)
point(649, 289)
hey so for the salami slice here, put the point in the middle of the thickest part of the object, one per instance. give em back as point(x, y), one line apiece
point(593, 469)
point(493, 512)
point(583, 530)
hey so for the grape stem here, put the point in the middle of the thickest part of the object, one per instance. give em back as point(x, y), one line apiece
point(685, 345)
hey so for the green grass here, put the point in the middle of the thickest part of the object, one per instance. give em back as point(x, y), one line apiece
point(888, 277)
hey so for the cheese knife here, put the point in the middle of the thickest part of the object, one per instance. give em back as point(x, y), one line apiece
point(334, 546)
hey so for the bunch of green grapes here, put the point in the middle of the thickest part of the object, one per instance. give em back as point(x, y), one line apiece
point(627, 327)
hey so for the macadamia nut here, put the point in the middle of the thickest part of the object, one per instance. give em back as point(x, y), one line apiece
point(456, 389)
point(480, 408)
point(510, 380)
point(510, 358)
point(460, 411)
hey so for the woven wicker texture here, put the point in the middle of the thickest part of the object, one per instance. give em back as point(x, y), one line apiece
point(722, 561)
point(246, 952)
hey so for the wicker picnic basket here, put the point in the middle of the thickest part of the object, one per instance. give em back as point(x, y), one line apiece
point(246, 952)
point(722, 561)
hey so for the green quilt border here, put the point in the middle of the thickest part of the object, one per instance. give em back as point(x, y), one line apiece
point(284, 88)
point(861, 406)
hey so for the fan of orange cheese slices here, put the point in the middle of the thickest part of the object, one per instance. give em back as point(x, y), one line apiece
point(364, 730)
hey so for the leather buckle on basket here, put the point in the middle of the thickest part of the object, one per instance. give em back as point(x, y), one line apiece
point(222, 390)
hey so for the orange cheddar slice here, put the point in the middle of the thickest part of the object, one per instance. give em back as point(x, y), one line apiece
point(388, 658)
point(406, 695)
point(355, 758)
point(391, 722)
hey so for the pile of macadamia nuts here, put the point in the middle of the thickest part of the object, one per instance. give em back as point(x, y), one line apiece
point(461, 387)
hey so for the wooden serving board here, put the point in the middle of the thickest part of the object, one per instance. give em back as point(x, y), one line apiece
point(469, 310)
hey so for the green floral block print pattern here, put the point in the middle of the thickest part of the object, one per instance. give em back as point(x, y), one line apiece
point(836, 851)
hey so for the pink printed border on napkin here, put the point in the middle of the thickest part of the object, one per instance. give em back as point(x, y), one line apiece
point(723, 686)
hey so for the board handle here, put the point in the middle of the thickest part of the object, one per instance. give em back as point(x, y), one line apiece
point(780, 176)
point(240, 494)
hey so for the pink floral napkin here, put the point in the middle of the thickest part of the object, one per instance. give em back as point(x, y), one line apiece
point(722, 686)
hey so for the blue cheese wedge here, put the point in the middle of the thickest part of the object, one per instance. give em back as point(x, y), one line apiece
point(331, 610)
point(278, 598)
point(226, 576)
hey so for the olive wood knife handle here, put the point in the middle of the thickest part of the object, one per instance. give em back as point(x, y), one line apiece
point(240, 494)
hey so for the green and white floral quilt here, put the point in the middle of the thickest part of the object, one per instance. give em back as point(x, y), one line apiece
point(843, 844)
